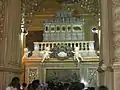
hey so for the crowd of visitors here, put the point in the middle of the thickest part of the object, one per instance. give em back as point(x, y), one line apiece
point(50, 85)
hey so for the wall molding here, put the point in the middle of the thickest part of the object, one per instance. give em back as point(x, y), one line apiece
point(10, 69)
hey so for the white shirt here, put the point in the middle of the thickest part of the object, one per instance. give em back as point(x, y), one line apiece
point(10, 88)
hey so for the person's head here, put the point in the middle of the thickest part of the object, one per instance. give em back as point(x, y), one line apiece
point(35, 84)
point(82, 85)
point(103, 88)
point(91, 88)
point(15, 82)
point(66, 85)
point(29, 86)
point(24, 85)
point(77, 86)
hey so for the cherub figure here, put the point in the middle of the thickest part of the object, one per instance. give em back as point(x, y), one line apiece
point(46, 54)
point(77, 55)
point(26, 53)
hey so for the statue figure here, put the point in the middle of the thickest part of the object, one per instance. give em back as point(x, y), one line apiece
point(26, 53)
point(46, 54)
point(77, 55)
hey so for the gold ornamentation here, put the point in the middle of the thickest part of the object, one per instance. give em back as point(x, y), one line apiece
point(2, 17)
point(33, 74)
point(29, 8)
point(92, 6)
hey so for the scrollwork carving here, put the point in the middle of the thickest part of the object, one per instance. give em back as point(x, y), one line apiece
point(104, 68)
point(115, 3)
point(2, 17)
point(92, 6)
point(116, 14)
point(116, 30)
point(116, 46)
point(33, 74)
point(116, 39)
point(29, 8)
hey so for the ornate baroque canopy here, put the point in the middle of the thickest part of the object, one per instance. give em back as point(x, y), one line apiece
point(31, 7)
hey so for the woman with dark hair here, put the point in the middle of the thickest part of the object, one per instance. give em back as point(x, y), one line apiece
point(14, 85)
point(34, 85)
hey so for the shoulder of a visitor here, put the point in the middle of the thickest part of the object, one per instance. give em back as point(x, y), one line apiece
point(8, 88)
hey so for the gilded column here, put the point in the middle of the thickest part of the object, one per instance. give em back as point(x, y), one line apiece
point(10, 49)
point(116, 42)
